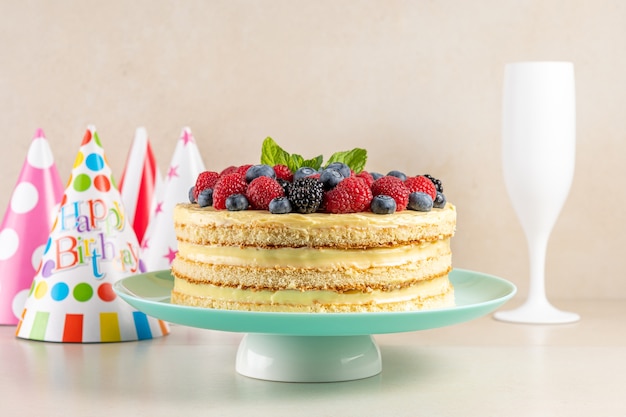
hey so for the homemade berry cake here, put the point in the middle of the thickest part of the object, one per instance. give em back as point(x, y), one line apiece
point(290, 235)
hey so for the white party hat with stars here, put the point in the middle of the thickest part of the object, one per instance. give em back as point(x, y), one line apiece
point(159, 245)
point(90, 247)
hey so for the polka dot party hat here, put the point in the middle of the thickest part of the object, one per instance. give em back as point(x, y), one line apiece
point(26, 225)
point(90, 246)
point(159, 245)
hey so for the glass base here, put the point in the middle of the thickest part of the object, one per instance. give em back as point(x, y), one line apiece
point(537, 313)
point(308, 358)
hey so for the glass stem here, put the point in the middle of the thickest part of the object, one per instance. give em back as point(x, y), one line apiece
point(537, 247)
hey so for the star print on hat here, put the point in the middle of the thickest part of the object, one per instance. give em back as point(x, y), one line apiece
point(159, 245)
point(26, 225)
point(91, 245)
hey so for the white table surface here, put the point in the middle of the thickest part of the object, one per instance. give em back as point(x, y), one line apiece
point(480, 368)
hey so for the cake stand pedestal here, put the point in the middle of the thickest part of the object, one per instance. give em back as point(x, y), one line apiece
point(308, 358)
point(313, 347)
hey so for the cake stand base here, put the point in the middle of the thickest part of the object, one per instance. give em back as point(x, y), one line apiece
point(308, 358)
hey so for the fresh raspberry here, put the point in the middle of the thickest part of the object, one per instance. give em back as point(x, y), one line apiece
point(369, 180)
point(243, 169)
point(227, 185)
point(393, 187)
point(206, 179)
point(351, 195)
point(261, 191)
point(228, 170)
point(422, 184)
point(283, 172)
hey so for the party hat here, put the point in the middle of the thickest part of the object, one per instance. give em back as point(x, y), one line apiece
point(26, 225)
point(140, 179)
point(159, 246)
point(90, 246)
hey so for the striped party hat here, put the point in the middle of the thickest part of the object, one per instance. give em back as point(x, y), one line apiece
point(139, 182)
point(26, 225)
point(91, 246)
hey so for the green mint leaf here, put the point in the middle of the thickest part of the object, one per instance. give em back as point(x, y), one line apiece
point(295, 162)
point(314, 163)
point(355, 159)
point(272, 154)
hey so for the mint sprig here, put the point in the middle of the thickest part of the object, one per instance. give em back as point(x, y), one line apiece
point(272, 154)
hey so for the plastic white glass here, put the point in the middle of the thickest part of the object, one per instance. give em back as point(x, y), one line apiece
point(538, 157)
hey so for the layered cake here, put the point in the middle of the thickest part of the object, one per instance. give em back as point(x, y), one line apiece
point(331, 238)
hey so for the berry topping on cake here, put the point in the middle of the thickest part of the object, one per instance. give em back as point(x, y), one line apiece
point(305, 195)
point(280, 205)
point(423, 184)
point(330, 177)
point(420, 201)
point(284, 183)
point(351, 195)
point(206, 179)
point(236, 202)
point(383, 204)
point(393, 187)
point(205, 199)
point(227, 185)
point(283, 172)
point(435, 181)
point(262, 190)
point(261, 170)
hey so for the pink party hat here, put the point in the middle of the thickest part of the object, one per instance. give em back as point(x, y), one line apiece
point(90, 246)
point(139, 181)
point(159, 243)
point(26, 225)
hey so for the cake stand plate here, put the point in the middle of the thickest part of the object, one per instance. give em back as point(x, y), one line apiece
point(314, 347)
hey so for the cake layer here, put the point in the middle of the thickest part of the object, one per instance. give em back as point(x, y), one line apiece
point(358, 269)
point(427, 294)
point(207, 226)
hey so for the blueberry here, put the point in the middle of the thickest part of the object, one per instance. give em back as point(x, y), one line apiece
point(343, 169)
point(376, 175)
point(261, 170)
point(398, 174)
point(383, 204)
point(192, 190)
point(420, 201)
point(205, 198)
point(440, 200)
point(303, 173)
point(237, 202)
point(330, 177)
point(280, 205)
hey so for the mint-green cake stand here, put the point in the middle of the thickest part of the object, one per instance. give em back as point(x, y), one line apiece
point(314, 347)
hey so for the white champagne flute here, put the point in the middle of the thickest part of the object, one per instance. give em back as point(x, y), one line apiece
point(538, 156)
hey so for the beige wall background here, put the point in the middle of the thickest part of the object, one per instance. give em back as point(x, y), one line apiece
point(417, 83)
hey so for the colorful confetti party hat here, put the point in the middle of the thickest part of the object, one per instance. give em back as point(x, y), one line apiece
point(26, 225)
point(91, 246)
point(159, 245)
point(140, 179)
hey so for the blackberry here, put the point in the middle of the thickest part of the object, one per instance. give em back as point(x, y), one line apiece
point(285, 184)
point(438, 184)
point(305, 195)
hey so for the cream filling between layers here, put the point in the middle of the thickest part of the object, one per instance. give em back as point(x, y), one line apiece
point(322, 258)
point(423, 289)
